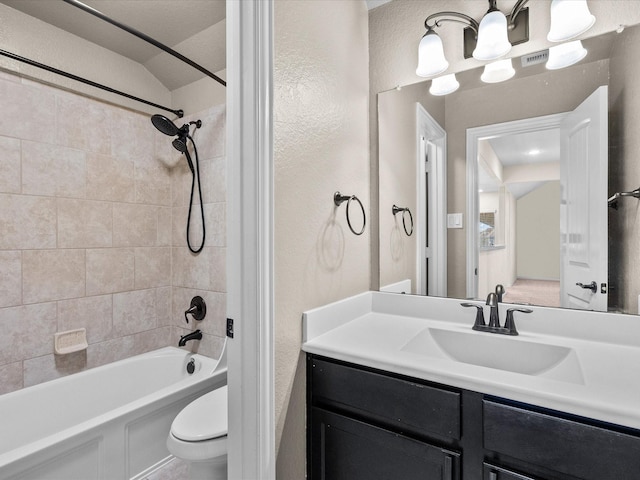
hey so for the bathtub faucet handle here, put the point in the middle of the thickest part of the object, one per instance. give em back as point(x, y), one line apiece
point(197, 309)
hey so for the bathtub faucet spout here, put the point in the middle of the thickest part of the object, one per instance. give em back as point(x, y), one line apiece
point(196, 335)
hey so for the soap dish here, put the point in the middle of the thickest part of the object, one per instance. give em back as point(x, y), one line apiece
point(70, 341)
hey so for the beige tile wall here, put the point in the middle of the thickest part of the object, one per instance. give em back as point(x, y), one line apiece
point(93, 208)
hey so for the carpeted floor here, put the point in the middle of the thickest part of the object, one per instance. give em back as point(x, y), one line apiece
point(534, 292)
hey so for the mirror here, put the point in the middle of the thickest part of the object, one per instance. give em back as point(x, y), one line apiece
point(405, 146)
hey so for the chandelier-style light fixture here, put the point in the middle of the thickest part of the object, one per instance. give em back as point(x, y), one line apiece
point(493, 37)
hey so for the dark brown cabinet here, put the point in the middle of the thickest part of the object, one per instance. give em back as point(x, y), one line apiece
point(368, 424)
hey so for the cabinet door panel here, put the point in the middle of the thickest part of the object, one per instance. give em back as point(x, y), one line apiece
point(347, 449)
point(407, 406)
point(491, 472)
point(562, 445)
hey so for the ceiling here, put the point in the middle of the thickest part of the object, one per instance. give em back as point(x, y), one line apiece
point(194, 28)
point(520, 149)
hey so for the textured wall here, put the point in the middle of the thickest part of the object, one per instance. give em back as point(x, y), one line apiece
point(394, 32)
point(320, 146)
point(397, 144)
point(624, 172)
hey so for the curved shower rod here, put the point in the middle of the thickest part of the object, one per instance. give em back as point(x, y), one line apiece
point(33, 63)
point(144, 37)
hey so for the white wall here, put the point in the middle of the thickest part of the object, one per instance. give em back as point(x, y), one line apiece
point(320, 146)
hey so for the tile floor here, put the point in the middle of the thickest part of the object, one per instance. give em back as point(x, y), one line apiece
point(176, 469)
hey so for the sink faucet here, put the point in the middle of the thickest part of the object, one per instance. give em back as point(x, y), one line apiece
point(494, 320)
point(195, 335)
point(492, 301)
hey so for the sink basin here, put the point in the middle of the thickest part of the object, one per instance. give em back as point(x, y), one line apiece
point(500, 352)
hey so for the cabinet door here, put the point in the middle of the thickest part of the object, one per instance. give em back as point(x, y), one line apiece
point(346, 449)
point(491, 472)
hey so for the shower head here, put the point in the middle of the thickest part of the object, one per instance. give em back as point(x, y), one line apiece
point(165, 125)
point(180, 143)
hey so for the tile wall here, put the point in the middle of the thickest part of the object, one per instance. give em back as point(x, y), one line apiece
point(93, 208)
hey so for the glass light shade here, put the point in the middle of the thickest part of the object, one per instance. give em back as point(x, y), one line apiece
point(493, 40)
point(569, 18)
point(565, 54)
point(431, 61)
point(444, 85)
point(498, 71)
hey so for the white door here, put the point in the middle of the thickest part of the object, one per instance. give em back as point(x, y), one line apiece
point(431, 208)
point(583, 205)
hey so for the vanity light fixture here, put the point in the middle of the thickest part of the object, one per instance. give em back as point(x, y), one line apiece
point(488, 40)
point(493, 37)
point(498, 71)
point(444, 85)
point(565, 55)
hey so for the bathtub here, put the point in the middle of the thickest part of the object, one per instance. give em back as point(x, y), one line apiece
point(108, 423)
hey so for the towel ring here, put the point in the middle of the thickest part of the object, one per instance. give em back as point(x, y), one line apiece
point(396, 210)
point(338, 199)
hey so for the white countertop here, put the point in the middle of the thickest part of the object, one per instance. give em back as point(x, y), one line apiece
point(374, 329)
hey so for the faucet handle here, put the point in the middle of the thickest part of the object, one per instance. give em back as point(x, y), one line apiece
point(479, 315)
point(509, 323)
point(198, 309)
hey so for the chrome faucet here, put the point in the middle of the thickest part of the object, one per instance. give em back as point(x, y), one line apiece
point(195, 335)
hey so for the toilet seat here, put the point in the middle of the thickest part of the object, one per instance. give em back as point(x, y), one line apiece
point(203, 419)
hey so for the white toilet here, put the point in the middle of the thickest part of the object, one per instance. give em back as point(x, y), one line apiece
point(199, 436)
point(199, 432)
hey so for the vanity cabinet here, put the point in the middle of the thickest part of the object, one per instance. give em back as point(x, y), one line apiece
point(369, 424)
point(366, 425)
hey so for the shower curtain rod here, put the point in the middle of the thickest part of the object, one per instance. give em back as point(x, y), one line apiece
point(179, 113)
point(144, 37)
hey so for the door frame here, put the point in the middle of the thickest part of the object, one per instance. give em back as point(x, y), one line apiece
point(250, 282)
point(428, 127)
point(475, 134)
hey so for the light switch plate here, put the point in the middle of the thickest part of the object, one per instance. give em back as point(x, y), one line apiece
point(454, 220)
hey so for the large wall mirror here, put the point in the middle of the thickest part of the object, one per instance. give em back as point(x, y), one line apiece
point(500, 192)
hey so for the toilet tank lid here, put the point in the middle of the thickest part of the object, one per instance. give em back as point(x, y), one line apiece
point(203, 419)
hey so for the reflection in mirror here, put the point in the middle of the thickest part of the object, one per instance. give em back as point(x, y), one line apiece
point(524, 230)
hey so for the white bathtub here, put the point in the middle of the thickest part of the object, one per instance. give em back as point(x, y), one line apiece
point(107, 423)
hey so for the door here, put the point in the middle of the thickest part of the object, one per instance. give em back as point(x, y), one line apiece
point(431, 206)
point(583, 205)
point(343, 448)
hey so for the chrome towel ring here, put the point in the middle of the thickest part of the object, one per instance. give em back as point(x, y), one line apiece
point(338, 199)
point(404, 210)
